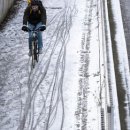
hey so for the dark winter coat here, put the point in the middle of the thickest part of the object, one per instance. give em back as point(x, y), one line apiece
point(34, 17)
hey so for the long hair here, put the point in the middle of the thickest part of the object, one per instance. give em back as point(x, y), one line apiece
point(29, 1)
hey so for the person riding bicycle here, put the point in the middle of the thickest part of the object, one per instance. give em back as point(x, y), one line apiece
point(35, 17)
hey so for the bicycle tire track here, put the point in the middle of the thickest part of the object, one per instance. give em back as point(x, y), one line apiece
point(65, 39)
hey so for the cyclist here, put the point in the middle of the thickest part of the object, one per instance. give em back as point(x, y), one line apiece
point(35, 17)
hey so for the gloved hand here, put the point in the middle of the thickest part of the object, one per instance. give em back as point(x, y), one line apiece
point(25, 28)
point(42, 28)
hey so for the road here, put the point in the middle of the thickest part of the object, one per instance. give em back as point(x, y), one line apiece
point(125, 4)
point(122, 86)
point(125, 10)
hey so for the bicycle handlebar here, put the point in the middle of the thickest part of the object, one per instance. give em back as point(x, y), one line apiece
point(33, 30)
point(40, 28)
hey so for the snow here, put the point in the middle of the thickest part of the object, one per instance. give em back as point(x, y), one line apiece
point(71, 78)
point(68, 88)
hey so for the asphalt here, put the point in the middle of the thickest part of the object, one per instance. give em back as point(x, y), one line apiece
point(121, 91)
point(125, 10)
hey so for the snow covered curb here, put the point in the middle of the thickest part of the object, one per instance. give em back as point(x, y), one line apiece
point(113, 121)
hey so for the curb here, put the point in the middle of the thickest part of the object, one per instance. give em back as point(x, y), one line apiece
point(113, 120)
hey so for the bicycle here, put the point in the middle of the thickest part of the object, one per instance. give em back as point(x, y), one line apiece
point(34, 49)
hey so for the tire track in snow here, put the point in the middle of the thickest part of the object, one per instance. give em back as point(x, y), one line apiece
point(56, 84)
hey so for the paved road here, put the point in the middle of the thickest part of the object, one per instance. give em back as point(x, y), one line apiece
point(125, 8)
point(121, 85)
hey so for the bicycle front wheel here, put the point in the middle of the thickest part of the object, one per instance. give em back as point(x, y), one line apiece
point(36, 55)
point(33, 55)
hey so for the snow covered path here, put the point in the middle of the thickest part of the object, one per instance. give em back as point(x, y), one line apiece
point(34, 96)
point(60, 85)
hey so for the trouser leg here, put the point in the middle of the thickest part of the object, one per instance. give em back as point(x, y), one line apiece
point(30, 35)
point(40, 43)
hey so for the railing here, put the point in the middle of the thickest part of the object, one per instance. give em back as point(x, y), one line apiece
point(4, 7)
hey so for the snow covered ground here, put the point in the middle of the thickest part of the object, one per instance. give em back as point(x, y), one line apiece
point(68, 88)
